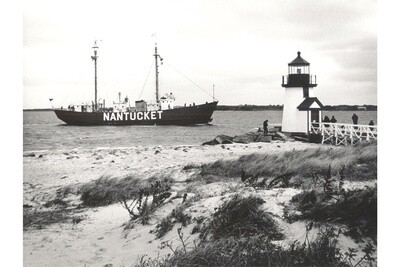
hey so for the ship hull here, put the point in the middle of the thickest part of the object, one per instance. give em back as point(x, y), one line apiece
point(200, 114)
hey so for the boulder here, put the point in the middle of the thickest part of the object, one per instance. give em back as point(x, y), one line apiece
point(247, 137)
point(209, 143)
point(273, 129)
point(220, 139)
point(265, 138)
point(223, 138)
point(282, 135)
point(300, 138)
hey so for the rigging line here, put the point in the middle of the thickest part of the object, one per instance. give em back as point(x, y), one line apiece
point(148, 74)
point(190, 80)
point(73, 87)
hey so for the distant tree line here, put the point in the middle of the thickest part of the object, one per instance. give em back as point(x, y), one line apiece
point(351, 107)
point(250, 107)
point(280, 107)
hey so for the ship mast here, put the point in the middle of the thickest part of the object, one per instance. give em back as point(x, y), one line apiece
point(95, 47)
point(156, 56)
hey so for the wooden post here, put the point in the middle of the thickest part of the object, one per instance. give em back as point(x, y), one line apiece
point(351, 135)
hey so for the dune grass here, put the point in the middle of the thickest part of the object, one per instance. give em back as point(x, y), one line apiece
point(107, 190)
point(41, 219)
point(360, 163)
point(257, 251)
point(356, 208)
point(55, 202)
point(241, 234)
point(177, 215)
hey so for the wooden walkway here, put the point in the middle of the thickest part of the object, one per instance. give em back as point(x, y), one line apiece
point(344, 134)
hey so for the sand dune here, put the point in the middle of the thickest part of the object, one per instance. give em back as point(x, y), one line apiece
point(100, 238)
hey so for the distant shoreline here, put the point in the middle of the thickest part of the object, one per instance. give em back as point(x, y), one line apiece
point(280, 107)
point(269, 107)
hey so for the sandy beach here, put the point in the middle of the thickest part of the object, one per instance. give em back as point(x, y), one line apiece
point(99, 238)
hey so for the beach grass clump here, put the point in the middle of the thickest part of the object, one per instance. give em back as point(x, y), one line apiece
point(55, 202)
point(107, 190)
point(180, 216)
point(190, 166)
point(239, 217)
point(52, 212)
point(146, 261)
point(360, 163)
point(164, 226)
point(177, 215)
point(355, 208)
point(206, 178)
point(41, 219)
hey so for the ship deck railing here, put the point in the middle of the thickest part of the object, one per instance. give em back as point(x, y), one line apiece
point(342, 133)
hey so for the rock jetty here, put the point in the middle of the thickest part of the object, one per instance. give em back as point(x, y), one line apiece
point(257, 135)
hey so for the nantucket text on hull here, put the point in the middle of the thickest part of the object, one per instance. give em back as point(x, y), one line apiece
point(132, 116)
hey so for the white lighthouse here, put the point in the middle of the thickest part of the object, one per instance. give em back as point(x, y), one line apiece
point(301, 107)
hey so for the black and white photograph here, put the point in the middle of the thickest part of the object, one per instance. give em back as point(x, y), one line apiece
point(200, 133)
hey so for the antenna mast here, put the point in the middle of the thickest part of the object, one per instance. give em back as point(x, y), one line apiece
point(156, 56)
point(95, 47)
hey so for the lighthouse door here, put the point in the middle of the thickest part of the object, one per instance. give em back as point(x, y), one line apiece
point(315, 115)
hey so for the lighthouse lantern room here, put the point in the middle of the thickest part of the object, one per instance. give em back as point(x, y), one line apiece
point(301, 107)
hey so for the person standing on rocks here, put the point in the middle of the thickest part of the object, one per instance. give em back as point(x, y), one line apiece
point(265, 127)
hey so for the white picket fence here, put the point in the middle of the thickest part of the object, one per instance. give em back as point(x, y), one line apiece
point(344, 134)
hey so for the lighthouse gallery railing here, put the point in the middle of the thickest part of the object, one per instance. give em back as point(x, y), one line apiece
point(312, 79)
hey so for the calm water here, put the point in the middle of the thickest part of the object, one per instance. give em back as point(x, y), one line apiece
point(43, 131)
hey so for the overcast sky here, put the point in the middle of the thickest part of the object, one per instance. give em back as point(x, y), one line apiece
point(243, 47)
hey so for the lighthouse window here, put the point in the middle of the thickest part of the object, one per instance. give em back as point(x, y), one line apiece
point(298, 71)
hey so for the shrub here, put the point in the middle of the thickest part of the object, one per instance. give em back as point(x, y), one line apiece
point(140, 206)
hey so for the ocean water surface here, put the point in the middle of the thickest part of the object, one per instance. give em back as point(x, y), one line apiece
point(42, 130)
